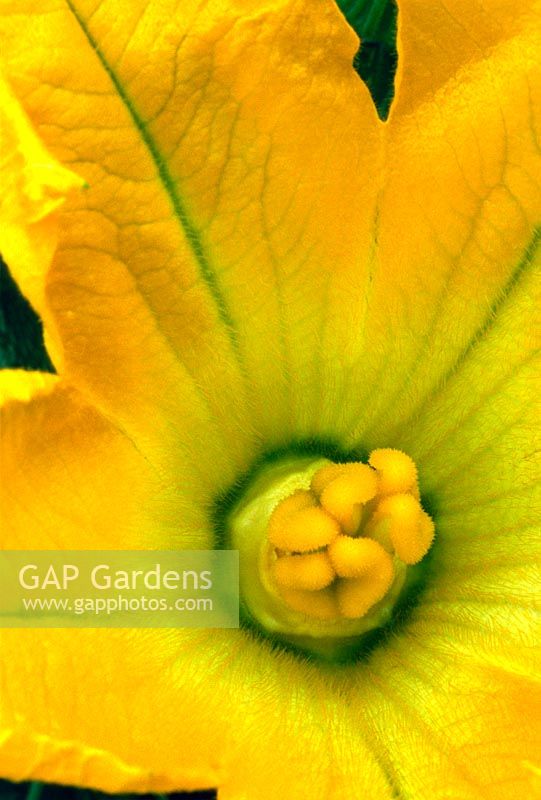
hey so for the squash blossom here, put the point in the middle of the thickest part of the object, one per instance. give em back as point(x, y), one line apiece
point(281, 325)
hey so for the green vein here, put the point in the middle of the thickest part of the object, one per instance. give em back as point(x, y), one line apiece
point(491, 318)
point(192, 235)
point(524, 264)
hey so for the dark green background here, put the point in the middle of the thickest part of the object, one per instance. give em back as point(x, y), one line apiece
point(21, 342)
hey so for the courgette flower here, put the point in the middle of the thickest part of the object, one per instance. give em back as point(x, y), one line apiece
point(236, 261)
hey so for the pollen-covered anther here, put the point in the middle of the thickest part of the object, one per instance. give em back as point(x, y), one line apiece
point(408, 527)
point(368, 570)
point(321, 605)
point(356, 596)
point(345, 492)
point(298, 525)
point(336, 553)
point(395, 470)
point(353, 557)
point(310, 571)
point(324, 476)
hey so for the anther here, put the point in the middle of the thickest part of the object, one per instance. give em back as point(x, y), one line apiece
point(311, 571)
point(396, 471)
point(410, 529)
point(297, 525)
point(356, 596)
point(352, 558)
point(346, 533)
point(327, 549)
point(345, 494)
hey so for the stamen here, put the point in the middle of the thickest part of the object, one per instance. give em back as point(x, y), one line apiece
point(319, 605)
point(326, 548)
point(365, 521)
point(396, 471)
point(345, 493)
point(410, 530)
point(312, 571)
point(297, 525)
point(369, 568)
point(324, 476)
point(352, 558)
point(357, 595)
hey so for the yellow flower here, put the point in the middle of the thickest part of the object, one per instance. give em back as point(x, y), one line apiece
point(258, 261)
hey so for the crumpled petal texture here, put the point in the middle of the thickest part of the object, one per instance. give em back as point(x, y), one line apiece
point(259, 259)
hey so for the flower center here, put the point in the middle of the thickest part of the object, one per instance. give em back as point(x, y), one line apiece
point(325, 548)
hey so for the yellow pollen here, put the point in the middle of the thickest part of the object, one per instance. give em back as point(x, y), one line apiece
point(352, 558)
point(377, 528)
point(396, 471)
point(346, 493)
point(295, 502)
point(324, 476)
point(341, 546)
point(410, 530)
point(311, 571)
point(356, 596)
point(297, 525)
point(319, 605)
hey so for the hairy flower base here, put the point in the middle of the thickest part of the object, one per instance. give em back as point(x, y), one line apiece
point(326, 549)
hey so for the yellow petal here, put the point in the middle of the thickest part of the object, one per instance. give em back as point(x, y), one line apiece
point(470, 656)
point(476, 435)
point(272, 173)
point(60, 489)
point(437, 42)
point(446, 720)
point(100, 730)
point(270, 190)
point(126, 294)
point(456, 227)
point(22, 386)
point(61, 463)
point(217, 144)
point(116, 744)
point(478, 447)
point(34, 187)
